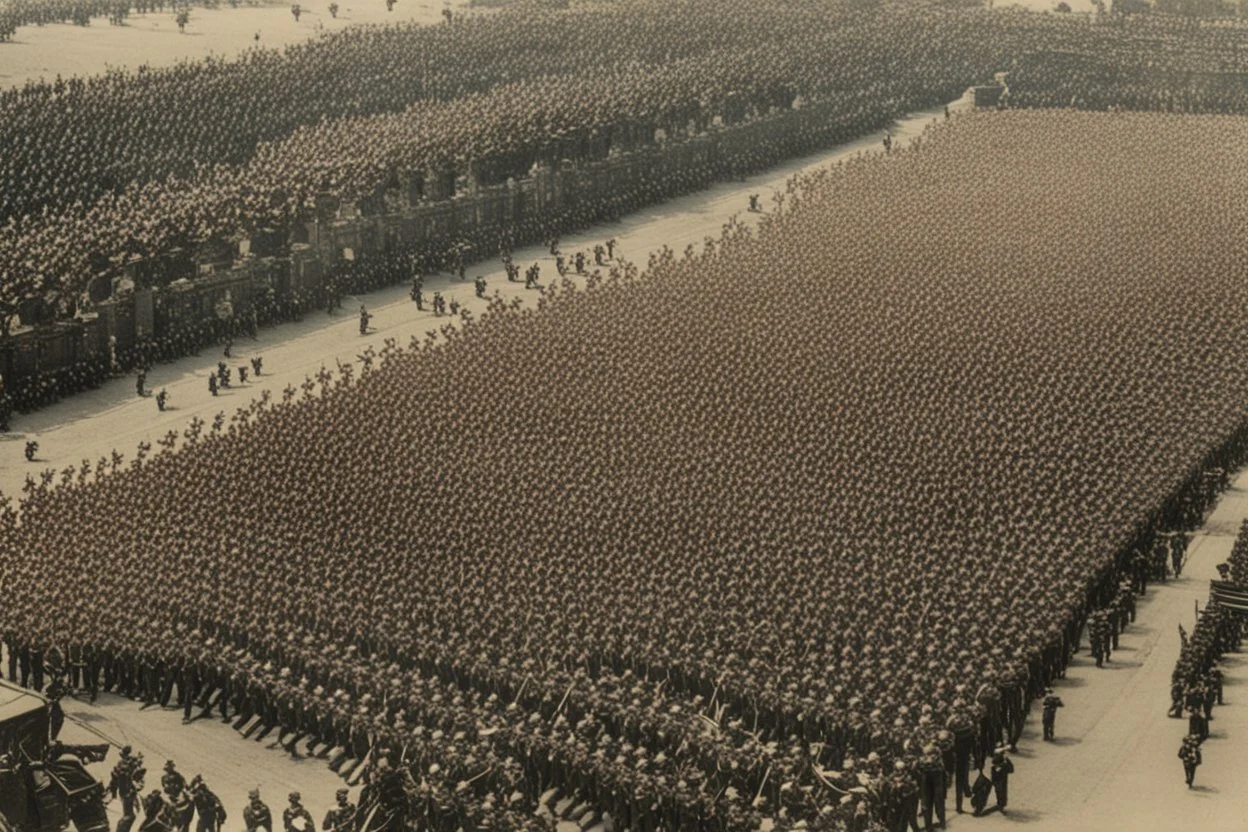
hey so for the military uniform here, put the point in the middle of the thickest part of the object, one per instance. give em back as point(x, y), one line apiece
point(257, 816)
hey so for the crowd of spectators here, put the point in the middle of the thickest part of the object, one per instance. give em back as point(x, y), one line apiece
point(771, 565)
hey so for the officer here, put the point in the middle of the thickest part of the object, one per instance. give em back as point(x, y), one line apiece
point(1051, 703)
point(1189, 753)
point(295, 818)
point(257, 815)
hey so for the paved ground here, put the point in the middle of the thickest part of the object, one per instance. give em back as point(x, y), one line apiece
point(153, 39)
point(1114, 764)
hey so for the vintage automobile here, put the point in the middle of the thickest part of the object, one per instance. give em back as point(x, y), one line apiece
point(44, 784)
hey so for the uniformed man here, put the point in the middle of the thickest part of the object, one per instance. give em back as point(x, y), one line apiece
point(172, 781)
point(295, 818)
point(934, 785)
point(161, 398)
point(209, 810)
point(256, 815)
point(256, 363)
point(32, 448)
point(139, 382)
point(1051, 703)
point(342, 816)
point(212, 384)
point(1002, 768)
point(1189, 753)
point(125, 785)
point(155, 813)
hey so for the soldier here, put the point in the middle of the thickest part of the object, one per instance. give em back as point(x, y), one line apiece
point(155, 815)
point(611, 249)
point(32, 448)
point(599, 251)
point(1178, 550)
point(935, 784)
point(125, 785)
point(242, 374)
point(172, 781)
point(139, 382)
point(208, 807)
point(212, 384)
point(342, 816)
point(295, 818)
point(1051, 703)
point(161, 398)
point(754, 204)
point(256, 815)
point(256, 363)
point(1197, 725)
point(1214, 681)
point(479, 286)
point(1002, 768)
point(1189, 753)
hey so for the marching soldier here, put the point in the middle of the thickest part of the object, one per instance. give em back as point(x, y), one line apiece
point(1002, 768)
point(295, 818)
point(935, 784)
point(341, 818)
point(208, 807)
point(1189, 753)
point(125, 783)
point(1051, 703)
point(257, 816)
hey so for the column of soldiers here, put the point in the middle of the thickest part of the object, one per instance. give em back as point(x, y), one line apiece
point(1196, 685)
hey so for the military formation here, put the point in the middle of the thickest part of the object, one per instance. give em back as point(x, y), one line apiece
point(633, 584)
point(1196, 685)
point(481, 108)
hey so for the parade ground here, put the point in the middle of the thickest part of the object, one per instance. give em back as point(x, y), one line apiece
point(1113, 764)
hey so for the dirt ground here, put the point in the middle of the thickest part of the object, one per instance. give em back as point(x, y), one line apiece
point(153, 39)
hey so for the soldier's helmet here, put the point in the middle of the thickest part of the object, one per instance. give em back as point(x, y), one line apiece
point(294, 797)
point(341, 794)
